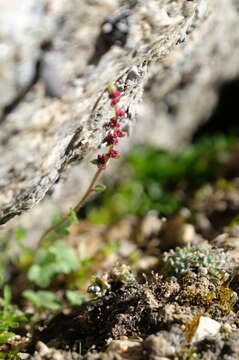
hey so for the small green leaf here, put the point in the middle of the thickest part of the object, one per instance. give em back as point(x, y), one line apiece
point(99, 187)
point(43, 299)
point(36, 275)
point(7, 296)
point(58, 258)
point(73, 217)
point(20, 233)
point(94, 162)
point(63, 229)
point(75, 297)
point(5, 336)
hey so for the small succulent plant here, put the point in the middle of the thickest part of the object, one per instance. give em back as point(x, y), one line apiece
point(119, 274)
point(193, 258)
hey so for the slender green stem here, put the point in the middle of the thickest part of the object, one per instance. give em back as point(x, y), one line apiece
point(89, 190)
point(114, 95)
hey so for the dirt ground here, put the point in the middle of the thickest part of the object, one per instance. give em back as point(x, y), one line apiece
point(182, 302)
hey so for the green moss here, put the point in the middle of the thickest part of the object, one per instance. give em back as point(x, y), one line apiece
point(191, 327)
point(223, 298)
point(192, 354)
point(9, 355)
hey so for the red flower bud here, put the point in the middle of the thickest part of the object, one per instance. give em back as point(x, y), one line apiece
point(113, 153)
point(111, 140)
point(120, 112)
point(118, 133)
point(115, 101)
point(101, 161)
point(114, 123)
point(115, 94)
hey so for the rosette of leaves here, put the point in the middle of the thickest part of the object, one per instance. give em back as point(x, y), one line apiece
point(193, 257)
point(58, 258)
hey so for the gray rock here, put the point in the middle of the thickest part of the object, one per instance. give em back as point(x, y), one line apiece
point(181, 52)
point(21, 32)
point(159, 346)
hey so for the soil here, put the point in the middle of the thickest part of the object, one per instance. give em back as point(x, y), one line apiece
point(155, 317)
point(153, 320)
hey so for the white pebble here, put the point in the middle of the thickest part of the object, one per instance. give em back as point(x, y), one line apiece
point(207, 327)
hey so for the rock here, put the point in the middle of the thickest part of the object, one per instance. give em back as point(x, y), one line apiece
point(230, 242)
point(151, 224)
point(22, 30)
point(158, 346)
point(23, 356)
point(189, 235)
point(121, 346)
point(43, 352)
point(231, 345)
point(42, 348)
point(206, 328)
point(173, 49)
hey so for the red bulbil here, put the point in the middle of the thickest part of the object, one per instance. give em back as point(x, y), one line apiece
point(115, 101)
point(113, 153)
point(112, 137)
point(118, 133)
point(111, 140)
point(120, 112)
point(101, 161)
point(114, 123)
point(114, 94)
